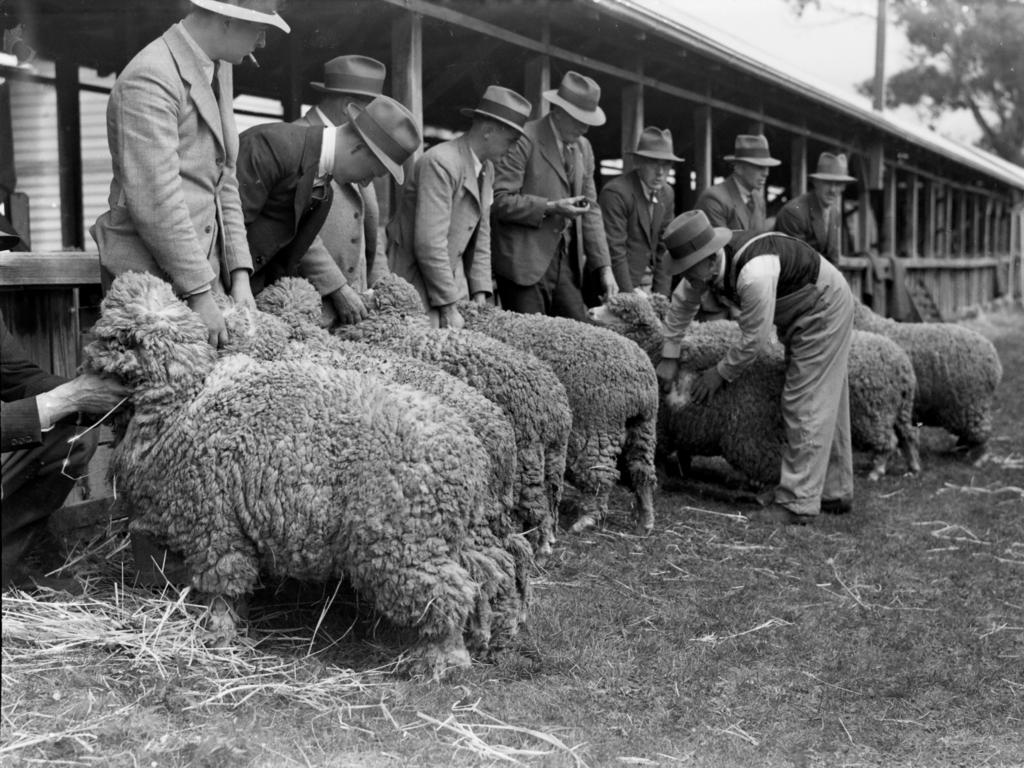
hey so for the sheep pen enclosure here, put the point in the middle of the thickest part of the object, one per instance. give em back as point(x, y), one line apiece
point(893, 636)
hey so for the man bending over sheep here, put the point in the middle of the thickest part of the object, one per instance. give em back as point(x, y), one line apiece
point(775, 278)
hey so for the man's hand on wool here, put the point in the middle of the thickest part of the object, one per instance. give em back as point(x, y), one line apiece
point(450, 317)
point(204, 306)
point(666, 371)
point(348, 305)
point(705, 385)
point(608, 283)
point(480, 297)
point(241, 290)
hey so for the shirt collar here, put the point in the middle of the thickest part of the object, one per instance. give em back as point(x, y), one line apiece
point(649, 192)
point(478, 164)
point(324, 118)
point(205, 62)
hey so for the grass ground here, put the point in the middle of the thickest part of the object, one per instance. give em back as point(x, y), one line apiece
point(893, 636)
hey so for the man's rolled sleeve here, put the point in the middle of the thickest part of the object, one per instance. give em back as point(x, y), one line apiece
point(682, 309)
point(756, 286)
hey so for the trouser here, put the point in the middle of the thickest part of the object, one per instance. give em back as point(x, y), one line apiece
point(815, 324)
point(34, 487)
point(557, 293)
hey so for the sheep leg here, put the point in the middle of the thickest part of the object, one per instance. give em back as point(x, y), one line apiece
point(644, 509)
point(637, 458)
point(221, 619)
point(879, 462)
point(907, 437)
point(534, 489)
point(434, 658)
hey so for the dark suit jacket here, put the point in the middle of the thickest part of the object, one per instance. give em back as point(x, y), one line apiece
point(634, 234)
point(804, 217)
point(277, 165)
point(523, 239)
point(724, 206)
point(20, 381)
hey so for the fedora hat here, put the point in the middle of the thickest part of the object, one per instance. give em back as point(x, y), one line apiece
point(258, 11)
point(578, 95)
point(690, 239)
point(358, 75)
point(656, 144)
point(832, 168)
point(501, 104)
point(753, 150)
point(389, 130)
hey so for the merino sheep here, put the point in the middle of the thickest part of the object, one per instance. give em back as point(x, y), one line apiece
point(296, 336)
point(525, 388)
point(613, 394)
point(957, 370)
point(743, 422)
point(293, 469)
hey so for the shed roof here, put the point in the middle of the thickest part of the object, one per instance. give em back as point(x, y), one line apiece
point(672, 20)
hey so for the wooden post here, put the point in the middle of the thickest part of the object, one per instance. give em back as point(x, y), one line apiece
point(538, 76)
point(961, 223)
point(407, 78)
point(947, 222)
point(702, 134)
point(292, 85)
point(632, 121)
point(69, 154)
point(975, 224)
point(931, 222)
point(889, 225)
point(798, 166)
point(912, 202)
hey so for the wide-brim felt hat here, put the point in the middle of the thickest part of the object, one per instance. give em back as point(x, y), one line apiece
point(656, 144)
point(356, 75)
point(832, 168)
point(578, 95)
point(257, 11)
point(690, 239)
point(501, 104)
point(753, 150)
point(389, 130)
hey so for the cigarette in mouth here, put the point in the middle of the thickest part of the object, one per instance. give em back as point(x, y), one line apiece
point(252, 58)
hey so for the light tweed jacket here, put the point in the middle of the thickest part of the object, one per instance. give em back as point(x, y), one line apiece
point(174, 205)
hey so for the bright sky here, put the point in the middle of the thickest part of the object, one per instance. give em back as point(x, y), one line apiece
point(833, 45)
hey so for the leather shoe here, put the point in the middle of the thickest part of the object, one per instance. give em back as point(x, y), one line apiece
point(836, 506)
point(776, 514)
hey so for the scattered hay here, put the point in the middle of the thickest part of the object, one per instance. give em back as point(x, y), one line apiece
point(469, 737)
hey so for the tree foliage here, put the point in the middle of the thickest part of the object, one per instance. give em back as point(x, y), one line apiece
point(965, 54)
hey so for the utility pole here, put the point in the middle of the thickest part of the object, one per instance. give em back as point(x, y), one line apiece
point(879, 100)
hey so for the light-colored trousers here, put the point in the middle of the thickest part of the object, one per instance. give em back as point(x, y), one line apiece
point(815, 324)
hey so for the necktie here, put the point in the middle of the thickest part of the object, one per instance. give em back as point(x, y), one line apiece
point(750, 203)
point(570, 164)
point(215, 83)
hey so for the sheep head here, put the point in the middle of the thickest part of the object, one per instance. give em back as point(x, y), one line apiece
point(632, 315)
point(391, 295)
point(295, 301)
point(146, 336)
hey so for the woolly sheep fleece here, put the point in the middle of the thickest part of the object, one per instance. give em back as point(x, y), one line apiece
point(299, 470)
point(957, 369)
point(743, 422)
point(613, 394)
point(525, 388)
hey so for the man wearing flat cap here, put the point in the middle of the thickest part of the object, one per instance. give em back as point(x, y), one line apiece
point(547, 232)
point(777, 280)
point(285, 175)
point(349, 233)
point(440, 237)
point(174, 205)
point(816, 217)
point(738, 201)
point(637, 206)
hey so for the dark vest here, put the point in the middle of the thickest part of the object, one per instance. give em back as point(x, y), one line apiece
point(799, 263)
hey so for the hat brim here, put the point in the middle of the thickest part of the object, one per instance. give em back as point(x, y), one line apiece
point(594, 118)
point(245, 14)
point(8, 241)
point(470, 112)
point(832, 177)
point(765, 162)
point(658, 155)
point(348, 91)
point(396, 171)
point(722, 236)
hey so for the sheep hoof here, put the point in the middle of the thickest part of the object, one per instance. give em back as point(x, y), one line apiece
point(875, 475)
point(220, 622)
point(584, 522)
point(644, 524)
point(434, 660)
